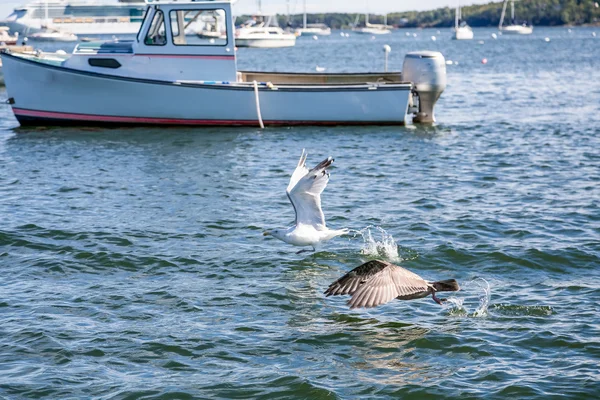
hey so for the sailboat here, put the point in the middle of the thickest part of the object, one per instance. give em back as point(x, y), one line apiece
point(372, 29)
point(513, 28)
point(48, 34)
point(462, 31)
point(312, 29)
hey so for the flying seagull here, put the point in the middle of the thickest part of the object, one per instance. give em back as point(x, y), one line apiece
point(378, 282)
point(304, 192)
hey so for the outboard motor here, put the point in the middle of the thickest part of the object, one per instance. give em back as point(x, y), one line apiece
point(427, 71)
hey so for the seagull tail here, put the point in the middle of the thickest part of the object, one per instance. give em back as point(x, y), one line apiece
point(448, 285)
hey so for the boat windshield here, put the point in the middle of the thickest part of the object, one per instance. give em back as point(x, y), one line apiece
point(139, 35)
point(156, 35)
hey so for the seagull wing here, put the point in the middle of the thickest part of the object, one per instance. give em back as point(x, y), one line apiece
point(377, 282)
point(304, 192)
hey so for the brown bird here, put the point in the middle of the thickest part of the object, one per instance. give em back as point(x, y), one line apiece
point(378, 282)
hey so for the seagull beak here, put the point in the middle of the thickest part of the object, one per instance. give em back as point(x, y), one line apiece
point(266, 233)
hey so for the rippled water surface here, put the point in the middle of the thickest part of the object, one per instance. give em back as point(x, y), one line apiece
point(133, 263)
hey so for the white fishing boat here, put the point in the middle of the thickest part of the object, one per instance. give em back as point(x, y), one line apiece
point(82, 17)
point(513, 28)
point(165, 76)
point(312, 29)
point(6, 38)
point(462, 31)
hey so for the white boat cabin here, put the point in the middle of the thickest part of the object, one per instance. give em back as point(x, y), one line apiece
point(168, 46)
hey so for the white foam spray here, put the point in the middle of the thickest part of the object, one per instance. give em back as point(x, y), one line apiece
point(478, 286)
point(384, 247)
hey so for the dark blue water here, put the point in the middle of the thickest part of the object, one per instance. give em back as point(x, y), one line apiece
point(133, 263)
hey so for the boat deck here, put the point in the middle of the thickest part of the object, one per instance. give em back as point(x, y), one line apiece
point(312, 79)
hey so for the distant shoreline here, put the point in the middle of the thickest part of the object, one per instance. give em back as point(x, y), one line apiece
point(539, 13)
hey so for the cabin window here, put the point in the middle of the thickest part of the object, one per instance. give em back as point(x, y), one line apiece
point(199, 27)
point(156, 35)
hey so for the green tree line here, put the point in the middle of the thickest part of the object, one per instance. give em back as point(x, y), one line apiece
point(536, 12)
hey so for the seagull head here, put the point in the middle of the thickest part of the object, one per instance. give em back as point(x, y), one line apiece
point(276, 233)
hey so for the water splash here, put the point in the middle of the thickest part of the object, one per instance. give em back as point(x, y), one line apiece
point(481, 287)
point(484, 299)
point(385, 247)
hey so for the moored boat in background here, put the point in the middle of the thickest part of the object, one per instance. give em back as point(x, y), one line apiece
point(6, 38)
point(513, 28)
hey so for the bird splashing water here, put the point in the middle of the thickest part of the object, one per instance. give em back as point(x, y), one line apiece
point(385, 247)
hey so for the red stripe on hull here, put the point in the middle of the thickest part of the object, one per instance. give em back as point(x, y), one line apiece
point(33, 116)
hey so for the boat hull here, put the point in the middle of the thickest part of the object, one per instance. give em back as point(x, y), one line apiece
point(43, 94)
point(463, 33)
point(517, 30)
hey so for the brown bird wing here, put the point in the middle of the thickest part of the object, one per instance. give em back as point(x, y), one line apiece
point(377, 282)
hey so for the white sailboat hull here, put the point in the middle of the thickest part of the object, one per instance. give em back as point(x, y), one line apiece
point(517, 30)
point(371, 31)
point(94, 98)
point(463, 33)
point(313, 31)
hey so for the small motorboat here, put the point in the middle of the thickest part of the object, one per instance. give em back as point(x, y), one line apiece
point(170, 77)
point(264, 32)
point(6, 38)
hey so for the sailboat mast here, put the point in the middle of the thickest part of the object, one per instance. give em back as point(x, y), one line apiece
point(46, 11)
point(502, 15)
point(512, 12)
point(304, 18)
point(456, 15)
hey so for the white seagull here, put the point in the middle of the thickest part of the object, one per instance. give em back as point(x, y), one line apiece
point(304, 192)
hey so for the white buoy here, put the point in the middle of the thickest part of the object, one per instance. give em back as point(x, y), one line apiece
point(315, 37)
point(494, 36)
point(61, 52)
point(449, 62)
point(569, 30)
point(407, 33)
point(386, 49)
point(547, 39)
point(433, 38)
point(593, 34)
point(481, 42)
point(414, 35)
point(320, 69)
point(438, 32)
